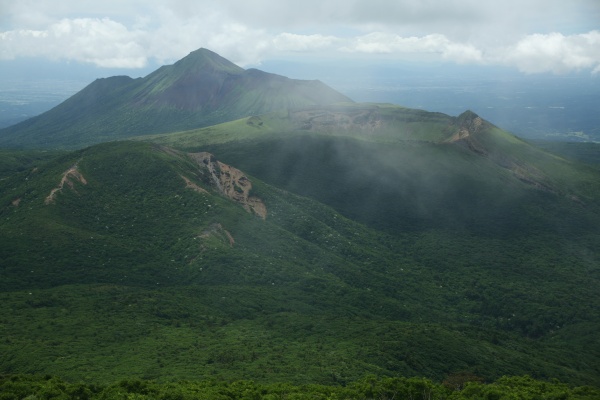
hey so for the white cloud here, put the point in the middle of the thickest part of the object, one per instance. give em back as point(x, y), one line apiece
point(107, 43)
point(175, 36)
point(380, 42)
point(301, 43)
point(385, 43)
point(555, 53)
point(102, 42)
point(130, 33)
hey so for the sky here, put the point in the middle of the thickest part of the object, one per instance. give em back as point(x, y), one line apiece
point(529, 36)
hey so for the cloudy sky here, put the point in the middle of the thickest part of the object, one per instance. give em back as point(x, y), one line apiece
point(531, 36)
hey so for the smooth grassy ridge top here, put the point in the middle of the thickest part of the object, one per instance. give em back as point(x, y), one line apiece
point(364, 121)
point(397, 126)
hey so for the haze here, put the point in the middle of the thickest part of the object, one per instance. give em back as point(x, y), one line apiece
point(371, 50)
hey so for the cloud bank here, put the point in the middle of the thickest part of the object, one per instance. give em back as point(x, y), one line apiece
point(555, 52)
point(130, 34)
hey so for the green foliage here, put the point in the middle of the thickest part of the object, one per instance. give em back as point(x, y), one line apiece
point(525, 388)
point(13, 161)
point(371, 387)
point(132, 263)
point(585, 152)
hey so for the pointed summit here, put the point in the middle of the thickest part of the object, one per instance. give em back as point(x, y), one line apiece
point(203, 59)
point(192, 83)
point(469, 130)
point(199, 62)
point(201, 89)
point(469, 123)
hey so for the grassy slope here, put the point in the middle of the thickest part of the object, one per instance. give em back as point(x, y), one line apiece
point(588, 153)
point(382, 123)
point(13, 161)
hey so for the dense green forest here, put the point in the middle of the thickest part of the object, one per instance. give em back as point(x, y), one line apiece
point(135, 274)
point(458, 387)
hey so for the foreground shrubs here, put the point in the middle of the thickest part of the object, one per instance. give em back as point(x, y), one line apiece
point(523, 388)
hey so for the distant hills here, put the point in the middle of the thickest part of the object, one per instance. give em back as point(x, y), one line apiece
point(201, 89)
point(315, 243)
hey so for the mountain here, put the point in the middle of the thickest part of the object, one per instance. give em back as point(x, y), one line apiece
point(311, 245)
point(201, 89)
point(421, 169)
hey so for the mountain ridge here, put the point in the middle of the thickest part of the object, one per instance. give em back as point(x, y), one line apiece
point(382, 123)
point(201, 89)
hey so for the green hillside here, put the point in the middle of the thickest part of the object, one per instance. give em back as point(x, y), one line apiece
point(399, 169)
point(201, 89)
point(586, 152)
point(13, 161)
point(134, 260)
point(472, 200)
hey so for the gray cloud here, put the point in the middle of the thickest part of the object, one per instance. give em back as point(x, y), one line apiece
point(533, 36)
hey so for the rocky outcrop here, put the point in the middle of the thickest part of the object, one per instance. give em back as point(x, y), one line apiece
point(469, 125)
point(229, 181)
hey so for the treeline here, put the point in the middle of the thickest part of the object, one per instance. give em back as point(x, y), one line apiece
point(456, 387)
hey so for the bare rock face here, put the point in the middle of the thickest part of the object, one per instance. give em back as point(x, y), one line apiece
point(229, 181)
point(469, 125)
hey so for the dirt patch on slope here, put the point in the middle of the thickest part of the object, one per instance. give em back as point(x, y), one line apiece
point(69, 178)
point(191, 185)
